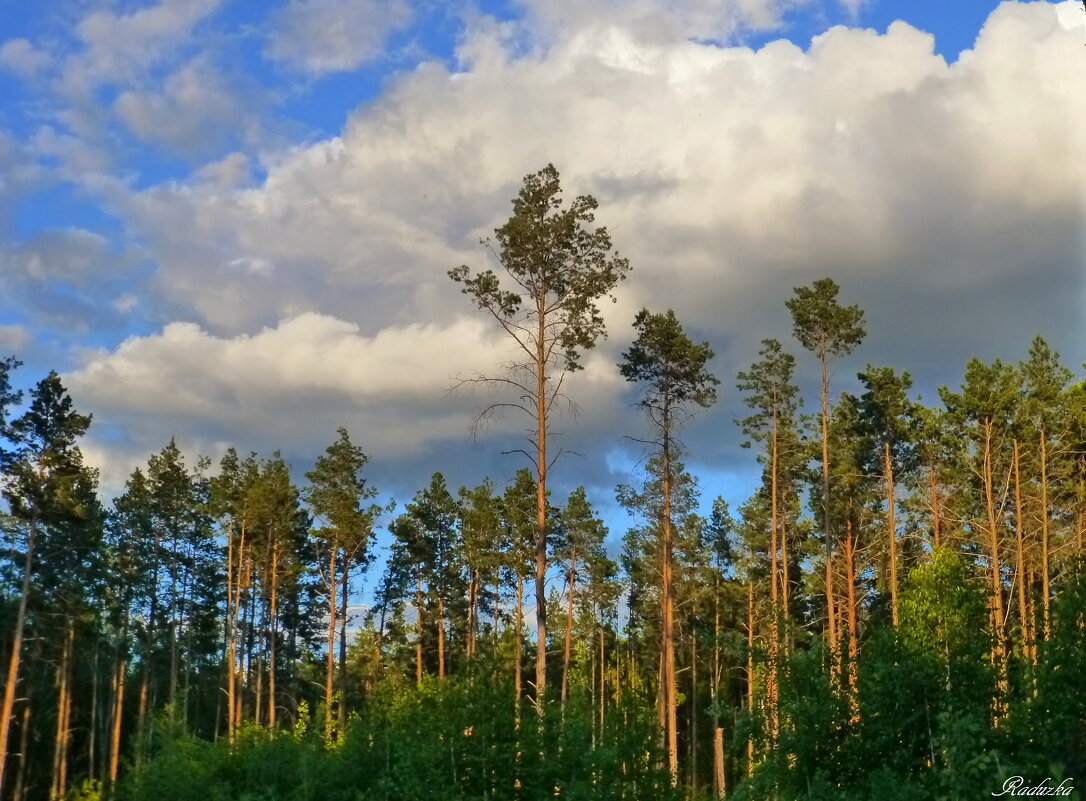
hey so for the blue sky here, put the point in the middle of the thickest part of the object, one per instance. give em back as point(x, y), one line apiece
point(230, 222)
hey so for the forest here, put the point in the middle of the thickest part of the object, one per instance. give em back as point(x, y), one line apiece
point(898, 611)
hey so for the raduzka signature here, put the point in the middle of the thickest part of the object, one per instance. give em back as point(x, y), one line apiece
point(1016, 785)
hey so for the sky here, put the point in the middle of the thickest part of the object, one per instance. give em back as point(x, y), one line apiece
point(231, 223)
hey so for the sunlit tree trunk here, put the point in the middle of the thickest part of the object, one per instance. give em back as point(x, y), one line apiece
point(272, 634)
point(853, 635)
point(1021, 572)
point(19, 790)
point(936, 523)
point(12, 676)
point(542, 358)
point(440, 637)
point(1046, 568)
point(343, 600)
point(61, 738)
point(750, 668)
point(891, 530)
point(418, 628)
point(995, 595)
point(570, 588)
point(330, 663)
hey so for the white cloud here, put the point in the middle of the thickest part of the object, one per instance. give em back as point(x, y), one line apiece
point(13, 338)
point(321, 36)
point(314, 370)
point(193, 110)
point(119, 48)
point(21, 57)
point(947, 199)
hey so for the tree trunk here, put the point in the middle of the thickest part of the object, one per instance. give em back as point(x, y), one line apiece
point(693, 731)
point(60, 739)
point(1021, 572)
point(473, 612)
point(750, 668)
point(603, 683)
point(344, 595)
point(853, 637)
point(668, 631)
point(92, 729)
point(826, 527)
point(541, 510)
point(19, 790)
point(418, 629)
point(272, 634)
point(440, 637)
point(569, 623)
point(995, 595)
point(935, 521)
point(774, 595)
point(12, 676)
point(1045, 564)
point(118, 718)
point(718, 763)
point(518, 634)
point(330, 664)
point(891, 531)
point(174, 625)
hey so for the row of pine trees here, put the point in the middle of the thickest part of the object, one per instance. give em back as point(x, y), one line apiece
point(896, 612)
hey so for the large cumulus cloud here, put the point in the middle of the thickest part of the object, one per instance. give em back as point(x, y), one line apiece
point(946, 198)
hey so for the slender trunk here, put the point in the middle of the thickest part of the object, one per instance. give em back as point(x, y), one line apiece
point(541, 508)
point(231, 647)
point(497, 612)
point(118, 718)
point(440, 637)
point(569, 623)
point(64, 705)
point(473, 612)
point(12, 676)
point(344, 595)
point(1045, 565)
point(1020, 566)
point(750, 669)
point(718, 763)
point(234, 713)
point(891, 530)
point(143, 722)
point(827, 528)
point(714, 685)
point(693, 732)
point(774, 595)
point(784, 581)
point(330, 663)
point(1080, 493)
point(272, 634)
point(603, 682)
point(853, 638)
point(92, 728)
point(19, 790)
point(174, 624)
point(995, 597)
point(518, 645)
point(935, 517)
point(831, 612)
point(668, 634)
point(418, 629)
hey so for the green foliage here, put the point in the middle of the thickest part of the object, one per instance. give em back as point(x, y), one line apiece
point(447, 740)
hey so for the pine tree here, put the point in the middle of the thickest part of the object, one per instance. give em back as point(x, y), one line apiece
point(557, 269)
point(828, 330)
point(48, 486)
point(672, 369)
point(337, 494)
